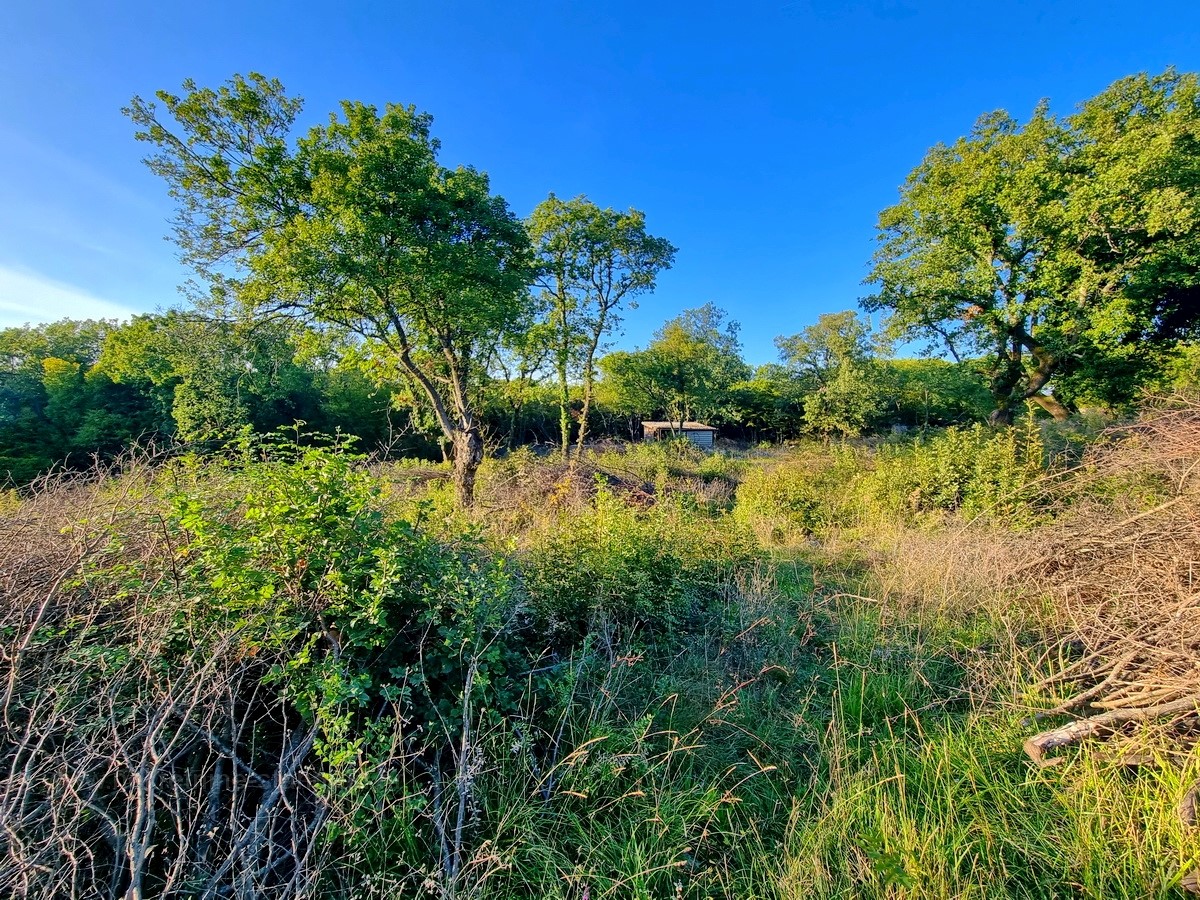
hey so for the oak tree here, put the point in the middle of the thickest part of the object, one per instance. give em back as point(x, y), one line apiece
point(1055, 250)
point(687, 371)
point(834, 359)
point(353, 226)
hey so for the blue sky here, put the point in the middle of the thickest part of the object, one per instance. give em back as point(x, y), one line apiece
point(762, 138)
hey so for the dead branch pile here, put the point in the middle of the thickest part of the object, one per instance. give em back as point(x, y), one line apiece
point(122, 777)
point(1123, 568)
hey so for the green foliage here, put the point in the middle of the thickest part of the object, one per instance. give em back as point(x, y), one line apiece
point(685, 373)
point(655, 569)
point(57, 406)
point(978, 471)
point(1183, 370)
point(297, 559)
point(768, 404)
point(833, 360)
point(1062, 251)
point(849, 401)
point(209, 377)
point(807, 495)
point(933, 393)
point(834, 340)
point(73, 391)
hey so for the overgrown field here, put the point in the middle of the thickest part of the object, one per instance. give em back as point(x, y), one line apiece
point(962, 665)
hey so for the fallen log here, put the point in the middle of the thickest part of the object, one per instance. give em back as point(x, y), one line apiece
point(1039, 745)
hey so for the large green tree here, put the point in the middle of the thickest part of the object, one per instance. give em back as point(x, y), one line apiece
point(687, 371)
point(817, 351)
point(593, 262)
point(1063, 252)
point(834, 359)
point(354, 226)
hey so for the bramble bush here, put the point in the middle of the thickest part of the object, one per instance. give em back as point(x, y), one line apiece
point(299, 557)
point(281, 626)
point(804, 495)
point(977, 471)
point(654, 569)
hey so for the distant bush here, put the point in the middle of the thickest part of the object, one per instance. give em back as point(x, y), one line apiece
point(651, 568)
point(803, 495)
point(978, 471)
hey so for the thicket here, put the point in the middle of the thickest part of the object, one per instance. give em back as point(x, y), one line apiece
point(281, 671)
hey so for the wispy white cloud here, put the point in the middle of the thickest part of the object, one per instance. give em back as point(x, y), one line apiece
point(33, 298)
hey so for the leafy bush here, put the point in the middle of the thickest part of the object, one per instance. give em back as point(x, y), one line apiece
point(804, 495)
point(655, 567)
point(299, 557)
point(978, 471)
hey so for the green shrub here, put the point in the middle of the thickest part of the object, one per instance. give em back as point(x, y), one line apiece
point(654, 567)
point(296, 557)
point(978, 470)
point(804, 495)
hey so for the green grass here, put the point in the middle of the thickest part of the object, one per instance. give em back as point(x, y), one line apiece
point(678, 709)
point(922, 789)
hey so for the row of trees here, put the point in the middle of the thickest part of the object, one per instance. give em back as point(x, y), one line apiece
point(345, 269)
point(355, 229)
point(74, 390)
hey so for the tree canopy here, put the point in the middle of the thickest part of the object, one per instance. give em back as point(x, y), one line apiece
point(834, 360)
point(1064, 252)
point(687, 371)
point(354, 226)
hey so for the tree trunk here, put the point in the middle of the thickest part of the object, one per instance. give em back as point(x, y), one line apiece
point(468, 456)
point(562, 353)
point(1009, 374)
point(564, 408)
point(1001, 415)
point(1052, 406)
point(588, 377)
point(514, 413)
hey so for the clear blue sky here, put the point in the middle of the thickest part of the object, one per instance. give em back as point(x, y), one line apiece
point(762, 138)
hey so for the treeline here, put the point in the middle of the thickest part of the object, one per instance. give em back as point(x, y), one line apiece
point(75, 391)
point(72, 391)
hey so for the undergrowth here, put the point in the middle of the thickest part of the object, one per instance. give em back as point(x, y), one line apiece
point(649, 673)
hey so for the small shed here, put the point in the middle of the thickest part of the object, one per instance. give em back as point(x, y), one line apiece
point(697, 432)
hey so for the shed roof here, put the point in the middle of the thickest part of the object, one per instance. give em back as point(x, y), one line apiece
point(687, 426)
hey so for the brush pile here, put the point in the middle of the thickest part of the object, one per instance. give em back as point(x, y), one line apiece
point(1124, 571)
